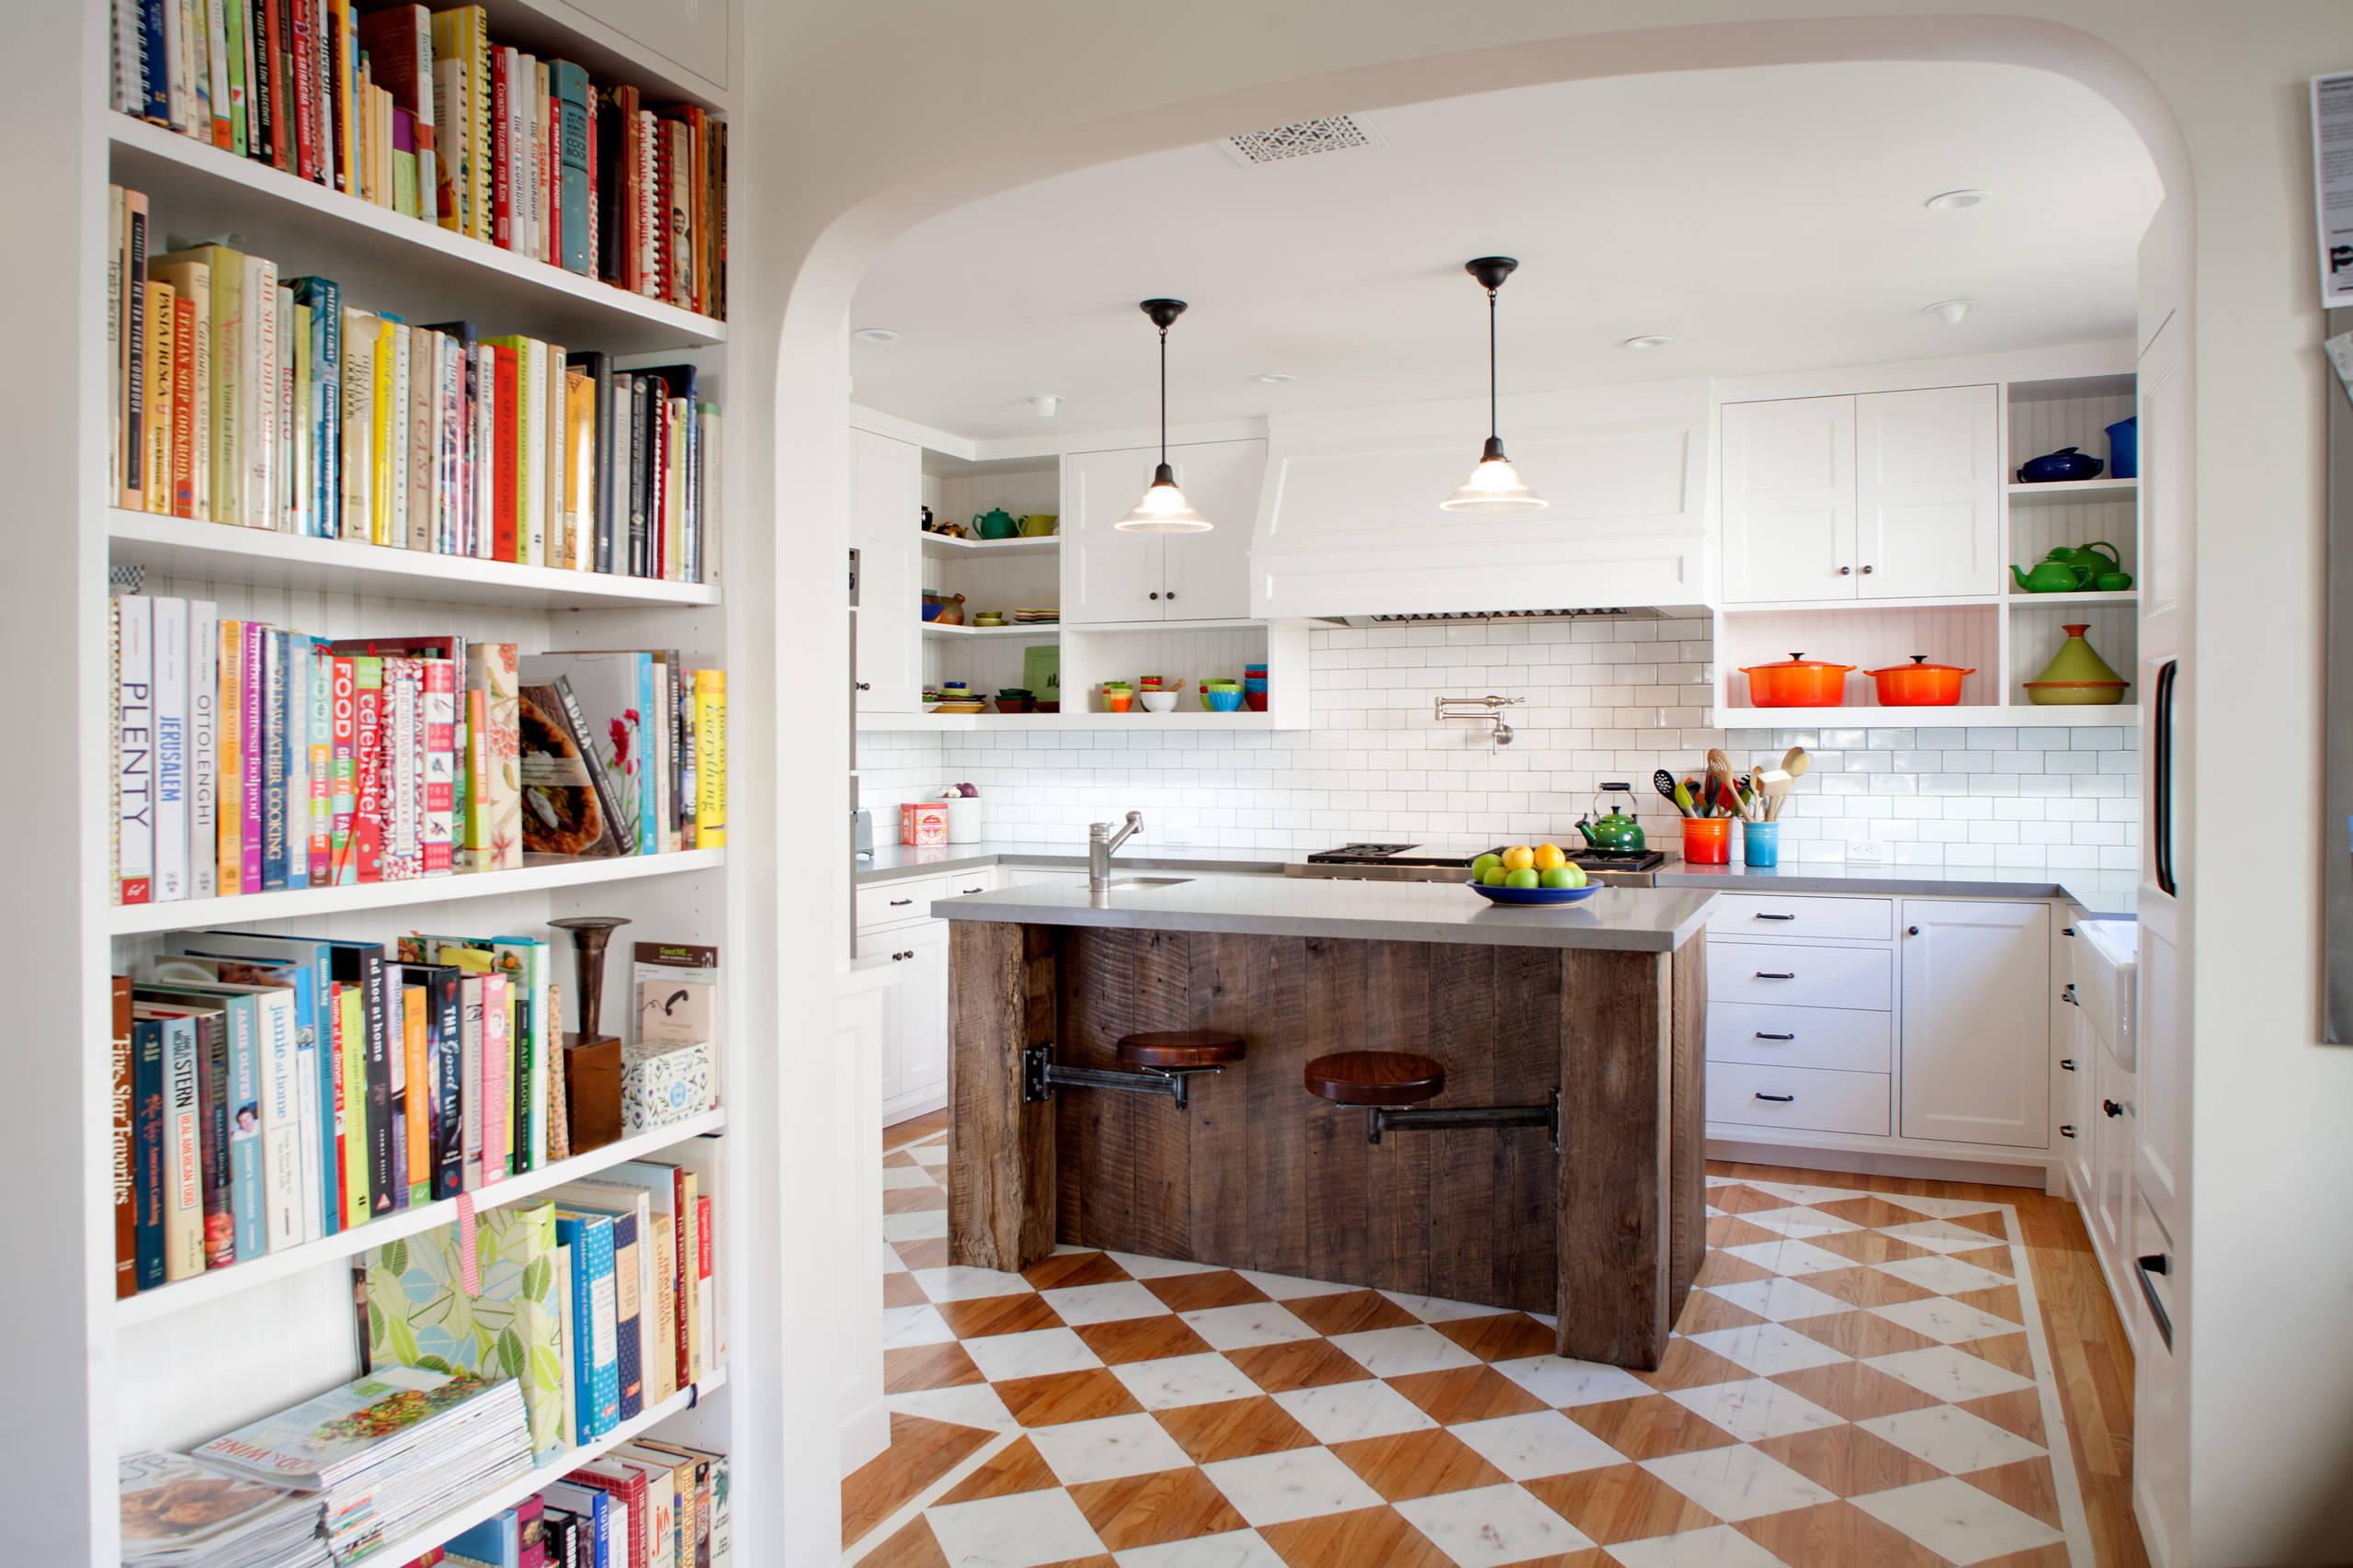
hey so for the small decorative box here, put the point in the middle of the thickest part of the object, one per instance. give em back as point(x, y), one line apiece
point(663, 1081)
point(924, 822)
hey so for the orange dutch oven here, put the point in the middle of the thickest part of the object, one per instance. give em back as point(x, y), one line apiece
point(1797, 682)
point(1919, 684)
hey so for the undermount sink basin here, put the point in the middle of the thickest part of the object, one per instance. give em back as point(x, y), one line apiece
point(1140, 884)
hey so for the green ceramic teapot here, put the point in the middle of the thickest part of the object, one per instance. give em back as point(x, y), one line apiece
point(998, 524)
point(2089, 556)
point(2053, 576)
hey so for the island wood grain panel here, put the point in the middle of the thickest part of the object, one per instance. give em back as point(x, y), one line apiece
point(1526, 1051)
point(1219, 1144)
point(1460, 1240)
point(1160, 1205)
point(1273, 1016)
point(1687, 1156)
point(1336, 1150)
point(1398, 1214)
point(1001, 1152)
point(1615, 1187)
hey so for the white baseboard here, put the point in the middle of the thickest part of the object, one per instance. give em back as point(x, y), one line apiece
point(907, 1108)
point(1864, 1161)
point(865, 1435)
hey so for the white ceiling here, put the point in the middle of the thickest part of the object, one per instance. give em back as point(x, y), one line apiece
point(1767, 220)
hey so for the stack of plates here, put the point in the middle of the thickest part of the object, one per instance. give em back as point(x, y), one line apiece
point(1036, 617)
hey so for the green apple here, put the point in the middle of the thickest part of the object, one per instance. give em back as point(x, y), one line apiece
point(1484, 864)
point(1558, 877)
point(1577, 878)
point(1523, 878)
point(1493, 875)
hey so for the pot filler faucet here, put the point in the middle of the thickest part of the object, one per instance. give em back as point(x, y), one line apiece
point(1101, 842)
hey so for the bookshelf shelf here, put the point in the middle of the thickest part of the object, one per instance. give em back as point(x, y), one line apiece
point(416, 1544)
point(180, 547)
point(383, 260)
point(314, 903)
point(215, 1284)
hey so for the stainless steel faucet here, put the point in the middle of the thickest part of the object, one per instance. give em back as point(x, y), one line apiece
point(1100, 843)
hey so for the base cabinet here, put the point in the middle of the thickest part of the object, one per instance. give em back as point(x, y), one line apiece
point(1976, 1021)
point(915, 1014)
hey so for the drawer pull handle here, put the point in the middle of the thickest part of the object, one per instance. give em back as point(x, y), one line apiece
point(901, 903)
point(2143, 1267)
point(1762, 1035)
point(976, 889)
point(1776, 974)
point(1760, 914)
point(2068, 1131)
point(2112, 1109)
point(2067, 1062)
point(1777, 1099)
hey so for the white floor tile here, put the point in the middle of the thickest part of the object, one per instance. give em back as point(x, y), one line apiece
point(966, 1404)
point(956, 1283)
point(1949, 1374)
point(1235, 1549)
point(1737, 1481)
point(1266, 1489)
point(1767, 1348)
point(1956, 1520)
point(1778, 1299)
point(930, 1153)
point(1719, 1547)
point(1081, 1451)
point(1945, 1276)
point(1437, 1308)
point(1942, 1318)
point(1395, 1352)
point(1755, 1409)
point(906, 1176)
point(1176, 1381)
point(1790, 1255)
point(918, 1225)
point(892, 1262)
point(1019, 1532)
point(1800, 1222)
point(1938, 1208)
point(1106, 1303)
point(1804, 1192)
point(1943, 1236)
point(1537, 1443)
point(1249, 1323)
point(903, 1326)
point(1341, 1412)
point(1951, 1438)
point(1283, 1288)
point(1562, 1384)
point(1155, 1267)
point(1004, 1357)
point(1723, 1181)
point(1488, 1526)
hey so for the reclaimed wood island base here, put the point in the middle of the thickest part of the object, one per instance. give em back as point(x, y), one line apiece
point(1603, 1006)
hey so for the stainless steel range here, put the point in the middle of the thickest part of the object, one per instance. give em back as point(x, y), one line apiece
point(1412, 863)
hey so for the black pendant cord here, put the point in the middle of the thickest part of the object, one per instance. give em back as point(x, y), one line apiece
point(1163, 397)
point(1494, 424)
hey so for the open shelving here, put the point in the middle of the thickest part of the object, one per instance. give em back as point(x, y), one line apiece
point(2071, 491)
point(945, 546)
point(1045, 631)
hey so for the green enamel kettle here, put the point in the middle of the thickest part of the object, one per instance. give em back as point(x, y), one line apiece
point(2053, 576)
point(1615, 830)
point(998, 524)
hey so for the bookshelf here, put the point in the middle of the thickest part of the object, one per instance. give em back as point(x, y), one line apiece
point(176, 1365)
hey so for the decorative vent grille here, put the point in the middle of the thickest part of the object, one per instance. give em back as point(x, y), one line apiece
point(1333, 133)
point(1624, 612)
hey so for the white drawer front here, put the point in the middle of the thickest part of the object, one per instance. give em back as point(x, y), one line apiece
point(981, 878)
point(1767, 915)
point(1809, 1098)
point(1795, 976)
point(1844, 1038)
point(909, 898)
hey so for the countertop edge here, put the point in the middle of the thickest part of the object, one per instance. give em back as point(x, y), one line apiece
point(1371, 930)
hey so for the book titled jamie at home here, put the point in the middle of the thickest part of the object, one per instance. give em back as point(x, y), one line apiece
point(315, 1444)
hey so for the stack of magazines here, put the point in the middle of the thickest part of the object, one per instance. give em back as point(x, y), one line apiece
point(388, 1452)
point(180, 1513)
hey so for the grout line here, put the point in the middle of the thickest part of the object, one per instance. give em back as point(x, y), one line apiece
point(2073, 1521)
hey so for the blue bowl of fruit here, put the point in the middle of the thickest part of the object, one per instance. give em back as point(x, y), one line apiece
point(1522, 874)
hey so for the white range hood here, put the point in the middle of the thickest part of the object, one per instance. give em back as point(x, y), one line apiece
point(1349, 521)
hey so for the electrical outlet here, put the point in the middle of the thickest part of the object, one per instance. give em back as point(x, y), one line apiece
point(1866, 852)
point(1176, 837)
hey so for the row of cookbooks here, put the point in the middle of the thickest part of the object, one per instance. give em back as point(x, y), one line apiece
point(244, 398)
point(248, 758)
point(425, 113)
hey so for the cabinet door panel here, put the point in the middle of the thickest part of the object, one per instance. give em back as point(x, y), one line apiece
point(1789, 499)
point(875, 945)
point(1207, 576)
point(923, 1069)
point(886, 504)
point(1976, 1021)
point(1107, 574)
point(1928, 494)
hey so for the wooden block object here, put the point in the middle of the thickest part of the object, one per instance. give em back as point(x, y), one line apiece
point(592, 1077)
point(1616, 1185)
point(1000, 1149)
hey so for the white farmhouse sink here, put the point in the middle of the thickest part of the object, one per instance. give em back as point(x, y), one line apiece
point(2108, 954)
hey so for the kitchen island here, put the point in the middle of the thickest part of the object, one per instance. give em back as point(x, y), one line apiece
point(1601, 1004)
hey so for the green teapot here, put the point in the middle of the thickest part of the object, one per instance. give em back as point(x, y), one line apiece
point(2089, 556)
point(998, 524)
point(2053, 576)
point(1621, 833)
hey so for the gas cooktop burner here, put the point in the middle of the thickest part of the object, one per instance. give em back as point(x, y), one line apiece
point(1617, 860)
point(1347, 852)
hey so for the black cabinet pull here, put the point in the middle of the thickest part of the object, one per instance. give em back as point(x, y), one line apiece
point(1155, 596)
point(2067, 994)
point(866, 686)
point(2111, 1108)
point(1771, 974)
point(2066, 930)
point(976, 889)
point(1866, 571)
point(2068, 1062)
point(2067, 1130)
point(901, 903)
point(1762, 1035)
point(2143, 1267)
point(1172, 596)
point(1777, 1099)
point(1912, 930)
point(1846, 571)
point(2156, 1264)
point(1760, 914)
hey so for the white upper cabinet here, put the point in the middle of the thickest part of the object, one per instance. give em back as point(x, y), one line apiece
point(1880, 496)
point(1976, 1021)
point(1788, 500)
point(1928, 494)
point(886, 505)
point(1110, 576)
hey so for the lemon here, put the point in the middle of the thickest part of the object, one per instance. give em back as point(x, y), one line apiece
point(1549, 857)
point(1519, 857)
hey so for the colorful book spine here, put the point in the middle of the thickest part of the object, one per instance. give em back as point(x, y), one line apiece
point(273, 760)
point(169, 633)
point(298, 658)
point(148, 1147)
point(230, 814)
point(123, 1141)
point(351, 1035)
point(204, 748)
point(595, 1363)
point(135, 735)
point(343, 742)
point(367, 781)
point(440, 688)
point(311, 1148)
point(182, 1153)
point(214, 1111)
point(417, 1032)
point(497, 1079)
point(247, 1207)
point(253, 698)
point(281, 1129)
point(323, 775)
point(710, 758)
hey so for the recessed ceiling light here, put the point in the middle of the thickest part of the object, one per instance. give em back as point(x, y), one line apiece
point(1958, 200)
point(1275, 378)
point(1949, 312)
point(1649, 340)
point(875, 335)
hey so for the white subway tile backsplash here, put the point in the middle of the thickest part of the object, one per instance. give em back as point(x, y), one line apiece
point(1605, 699)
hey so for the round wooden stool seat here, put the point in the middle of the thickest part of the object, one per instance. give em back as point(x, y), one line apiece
point(1177, 1049)
point(1375, 1077)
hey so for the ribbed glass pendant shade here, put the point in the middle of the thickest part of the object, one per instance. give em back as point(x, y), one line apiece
point(1163, 509)
point(1494, 486)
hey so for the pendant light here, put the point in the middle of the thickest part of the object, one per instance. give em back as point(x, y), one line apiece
point(1163, 509)
point(1494, 485)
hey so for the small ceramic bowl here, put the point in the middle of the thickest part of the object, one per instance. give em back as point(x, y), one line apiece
point(1159, 701)
point(931, 609)
point(1223, 702)
point(1050, 704)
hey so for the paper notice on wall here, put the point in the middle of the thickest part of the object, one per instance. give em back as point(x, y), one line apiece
point(2340, 354)
point(2333, 176)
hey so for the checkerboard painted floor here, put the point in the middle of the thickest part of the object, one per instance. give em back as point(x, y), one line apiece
point(1859, 1378)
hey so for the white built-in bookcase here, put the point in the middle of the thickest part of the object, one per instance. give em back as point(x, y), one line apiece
point(175, 1366)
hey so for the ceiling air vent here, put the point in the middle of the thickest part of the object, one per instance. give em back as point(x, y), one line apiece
point(1333, 133)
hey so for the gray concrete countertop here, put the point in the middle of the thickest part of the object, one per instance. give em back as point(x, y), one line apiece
point(890, 861)
point(1626, 919)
